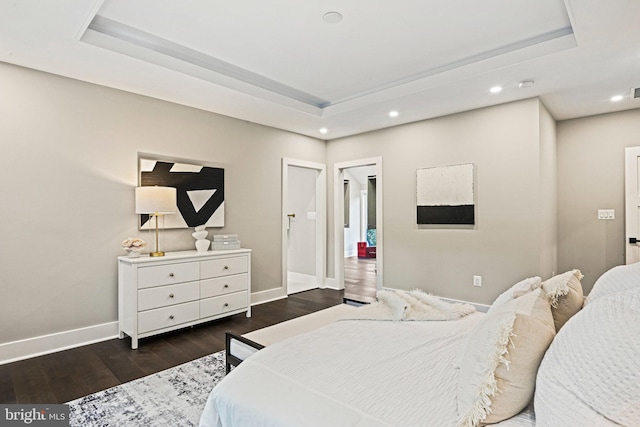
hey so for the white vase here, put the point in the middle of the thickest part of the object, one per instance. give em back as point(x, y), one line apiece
point(133, 254)
point(199, 235)
point(202, 245)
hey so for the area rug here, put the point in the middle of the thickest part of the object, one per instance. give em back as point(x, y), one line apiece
point(174, 397)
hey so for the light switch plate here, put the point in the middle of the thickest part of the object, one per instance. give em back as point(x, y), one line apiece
point(606, 214)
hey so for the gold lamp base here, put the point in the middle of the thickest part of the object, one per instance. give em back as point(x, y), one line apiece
point(156, 254)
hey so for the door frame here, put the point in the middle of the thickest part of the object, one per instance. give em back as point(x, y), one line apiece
point(338, 215)
point(321, 219)
point(631, 202)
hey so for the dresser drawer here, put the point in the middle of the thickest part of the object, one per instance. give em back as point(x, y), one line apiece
point(158, 275)
point(224, 267)
point(222, 304)
point(166, 317)
point(223, 285)
point(162, 296)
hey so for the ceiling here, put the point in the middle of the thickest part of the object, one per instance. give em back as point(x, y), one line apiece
point(281, 64)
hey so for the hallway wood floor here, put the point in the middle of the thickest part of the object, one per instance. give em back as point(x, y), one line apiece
point(360, 279)
point(67, 375)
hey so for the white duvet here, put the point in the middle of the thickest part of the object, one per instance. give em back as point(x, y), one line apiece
point(350, 373)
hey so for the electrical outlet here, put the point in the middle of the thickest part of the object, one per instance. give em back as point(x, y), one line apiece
point(477, 281)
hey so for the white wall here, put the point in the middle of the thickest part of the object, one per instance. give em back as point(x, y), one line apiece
point(591, 177)
point(67, 173)
point(505, 144)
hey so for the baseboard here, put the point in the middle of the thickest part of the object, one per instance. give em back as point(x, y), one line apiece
point(46, 344)
point(268, 296)
point(330, 283)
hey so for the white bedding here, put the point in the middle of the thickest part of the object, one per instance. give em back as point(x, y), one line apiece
point(350, 373)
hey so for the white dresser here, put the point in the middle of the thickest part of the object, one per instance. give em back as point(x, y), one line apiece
point(181, 289)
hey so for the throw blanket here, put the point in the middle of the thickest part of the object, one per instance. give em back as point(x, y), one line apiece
point(413, 305)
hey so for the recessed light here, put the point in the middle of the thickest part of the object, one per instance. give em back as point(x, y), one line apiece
point(332, 17)
point(393, 113)
point(617, 98)
point(324, 130)
point(496, 89)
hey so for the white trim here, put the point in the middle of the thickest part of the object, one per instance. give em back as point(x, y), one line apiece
point(330, 283)
point(632, 204)
point(268, 296)
point(46, 344)
point(338, 213)
point(321, 217)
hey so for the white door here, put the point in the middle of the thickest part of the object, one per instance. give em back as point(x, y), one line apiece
point(303, 225)
point(632, 204)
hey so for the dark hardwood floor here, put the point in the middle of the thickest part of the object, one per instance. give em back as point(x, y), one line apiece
point(360, 279)
point(67, 375)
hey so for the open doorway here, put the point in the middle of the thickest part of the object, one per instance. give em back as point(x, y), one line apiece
point(358, 231)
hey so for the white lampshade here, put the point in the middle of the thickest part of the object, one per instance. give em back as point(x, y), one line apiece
point(155, 200)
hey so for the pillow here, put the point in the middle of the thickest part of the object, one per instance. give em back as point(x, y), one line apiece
point(617, 279)
point(517, 290)
point(591, 373)
point(565, 295)
point(498, 370)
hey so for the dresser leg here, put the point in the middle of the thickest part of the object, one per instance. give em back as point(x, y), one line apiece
point(134, 343)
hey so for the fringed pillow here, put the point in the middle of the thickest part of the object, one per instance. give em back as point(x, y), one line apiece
point(498, 370)
point(522, 287)
point(565, 296)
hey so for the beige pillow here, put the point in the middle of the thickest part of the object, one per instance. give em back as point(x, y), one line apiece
point(522, 287)
point(565, 295)
point(498, 370)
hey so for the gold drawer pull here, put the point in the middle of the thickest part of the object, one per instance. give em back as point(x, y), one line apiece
point(226, 267)
point(170, 274)
point(226, 286)
point(226, 304)
point(171, 317)
point(170, 295)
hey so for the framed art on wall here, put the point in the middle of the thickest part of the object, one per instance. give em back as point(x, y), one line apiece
point(445, 195)
point(200, 192)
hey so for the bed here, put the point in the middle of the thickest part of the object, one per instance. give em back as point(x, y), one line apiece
point(475, 370)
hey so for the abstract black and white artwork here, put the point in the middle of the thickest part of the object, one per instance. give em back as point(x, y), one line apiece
point(445, 195)
point(200, 192)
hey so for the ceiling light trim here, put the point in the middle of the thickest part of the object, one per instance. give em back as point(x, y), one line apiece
point(162, 46)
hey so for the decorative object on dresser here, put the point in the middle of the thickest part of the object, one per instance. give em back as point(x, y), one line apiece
point(157, 295)
point(223, 242)
point(133, 246)
point(155, 201)
point(200, 234)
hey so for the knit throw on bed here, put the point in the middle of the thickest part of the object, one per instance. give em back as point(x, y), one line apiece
point(411, 305)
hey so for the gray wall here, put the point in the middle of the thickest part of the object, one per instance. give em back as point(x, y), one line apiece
point(591, 177)
point(67, 173)
point(513, 147)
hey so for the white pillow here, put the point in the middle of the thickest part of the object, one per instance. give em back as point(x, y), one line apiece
point(591, 373)
point(522, 287)
point(498, 370)
point(617, 279)
point(565, 295)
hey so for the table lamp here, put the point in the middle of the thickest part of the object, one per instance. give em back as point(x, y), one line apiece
point(156, 201)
